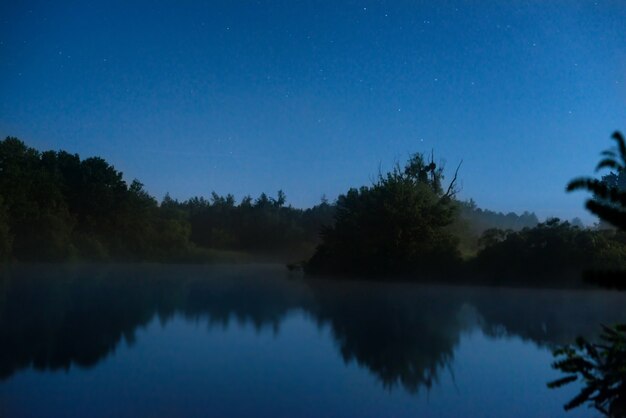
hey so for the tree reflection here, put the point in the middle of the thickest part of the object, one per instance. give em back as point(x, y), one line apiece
point(406, 335)
point(404, 338)
point(51, 318)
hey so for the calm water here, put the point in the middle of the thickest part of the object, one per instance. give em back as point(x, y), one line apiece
point(187, 341)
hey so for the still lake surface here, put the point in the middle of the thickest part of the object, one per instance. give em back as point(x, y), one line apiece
point(230, 341)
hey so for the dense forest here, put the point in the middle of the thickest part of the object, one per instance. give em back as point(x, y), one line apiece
point(55, 206)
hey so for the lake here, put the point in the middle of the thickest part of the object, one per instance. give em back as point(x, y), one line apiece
point(255, 340)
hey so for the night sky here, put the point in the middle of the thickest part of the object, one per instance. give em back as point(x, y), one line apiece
point(313, 97)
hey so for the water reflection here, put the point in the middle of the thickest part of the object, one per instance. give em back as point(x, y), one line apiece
point(54, 317)
point(403, 335)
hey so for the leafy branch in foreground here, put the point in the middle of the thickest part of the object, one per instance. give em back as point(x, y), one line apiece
point(609, 201)
point(602, 368)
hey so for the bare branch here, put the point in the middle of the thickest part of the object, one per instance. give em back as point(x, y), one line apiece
point(451, 191)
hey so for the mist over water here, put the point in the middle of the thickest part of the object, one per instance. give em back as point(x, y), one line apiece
point(154, 340)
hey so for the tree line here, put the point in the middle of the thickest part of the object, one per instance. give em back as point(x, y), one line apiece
point(55, 206)
point(409, 224)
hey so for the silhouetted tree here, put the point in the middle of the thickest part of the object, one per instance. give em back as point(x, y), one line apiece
point(397, 225)
point(57, 207)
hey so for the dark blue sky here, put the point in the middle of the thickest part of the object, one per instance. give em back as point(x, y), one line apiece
point(313, 97)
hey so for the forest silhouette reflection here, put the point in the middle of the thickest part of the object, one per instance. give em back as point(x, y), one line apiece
point(57, 317)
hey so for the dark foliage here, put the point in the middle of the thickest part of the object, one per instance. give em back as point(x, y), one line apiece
point(55, 206)
point(553, 249)
point(601, 366)
point(473, 221)
point(396, 226)
point(265, 225)
point(602, 369)
point(609, 198)
point(481, 220)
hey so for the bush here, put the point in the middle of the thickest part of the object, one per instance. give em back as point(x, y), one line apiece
point(396, 226)
point(552, 249)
